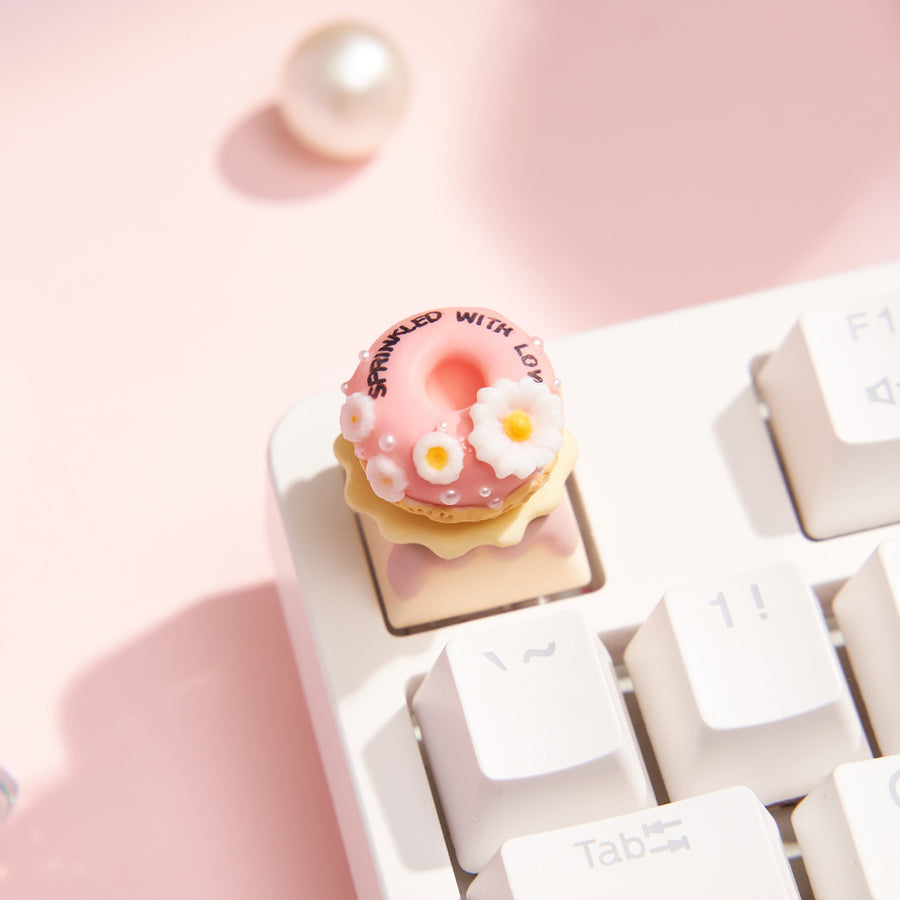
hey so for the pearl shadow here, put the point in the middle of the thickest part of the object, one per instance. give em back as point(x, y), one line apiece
point(260, 159)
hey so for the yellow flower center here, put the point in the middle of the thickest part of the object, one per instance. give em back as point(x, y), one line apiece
point(517, 425)
point(436, 457)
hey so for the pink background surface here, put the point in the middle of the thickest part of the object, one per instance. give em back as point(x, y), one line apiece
point(175, 273)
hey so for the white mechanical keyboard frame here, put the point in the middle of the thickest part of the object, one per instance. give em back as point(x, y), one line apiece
point(680, 483)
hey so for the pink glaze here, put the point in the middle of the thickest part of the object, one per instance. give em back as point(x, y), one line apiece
point(408, 564)
point(423, 375)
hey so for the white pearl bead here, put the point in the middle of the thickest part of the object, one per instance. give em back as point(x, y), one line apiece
point(343, 90)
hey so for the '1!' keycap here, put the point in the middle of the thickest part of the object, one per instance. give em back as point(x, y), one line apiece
point(833, 392)
point(525, 730)
point(738, 683)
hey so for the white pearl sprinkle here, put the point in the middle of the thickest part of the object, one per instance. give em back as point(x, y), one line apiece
point(443, 426)
point(343, 89)
point(537, 342)
point(496, 503)
point(450, 497)
point(363, 355)
point(556, 382)
point(387, 442)
point(345, 387)
point(484, 491)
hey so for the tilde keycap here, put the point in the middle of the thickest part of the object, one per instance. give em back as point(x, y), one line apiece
point(738, 683)
point(833, 392)
point(848, 828)
point(723, 844)
point(525, 730)
point(867, 610)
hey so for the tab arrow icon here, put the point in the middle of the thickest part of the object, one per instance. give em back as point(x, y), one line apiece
point(658, 827)
point(672, 846)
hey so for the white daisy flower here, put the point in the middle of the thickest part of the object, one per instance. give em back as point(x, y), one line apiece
point(357, 417)
point(388, 480)
point(438, 457)
point(518, 426)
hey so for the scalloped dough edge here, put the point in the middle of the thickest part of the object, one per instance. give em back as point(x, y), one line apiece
point(450, 540)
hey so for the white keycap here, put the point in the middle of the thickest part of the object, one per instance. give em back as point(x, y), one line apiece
point(833, 392)
point(720, 845)
point(867, 610)
point(738, 683)
point(525, 730)
point(848, 829)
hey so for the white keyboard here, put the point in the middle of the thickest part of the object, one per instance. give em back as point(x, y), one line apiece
point(739, 650)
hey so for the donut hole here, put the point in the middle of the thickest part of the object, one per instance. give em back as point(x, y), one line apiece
point(453, 382)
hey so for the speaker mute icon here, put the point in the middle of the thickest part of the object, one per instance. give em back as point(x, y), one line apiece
point(881, 392)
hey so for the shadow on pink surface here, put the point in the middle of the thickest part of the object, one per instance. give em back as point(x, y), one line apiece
point(193, 773)
point(651, 155)
point(260, 159)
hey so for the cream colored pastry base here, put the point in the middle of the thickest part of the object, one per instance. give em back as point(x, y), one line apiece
point(401, 526)
point(488, 578)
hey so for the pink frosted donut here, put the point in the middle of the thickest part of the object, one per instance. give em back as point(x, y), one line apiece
point(455, 414)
